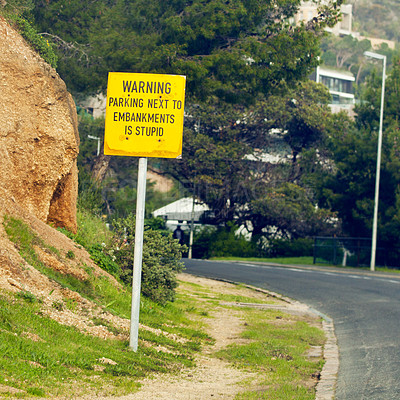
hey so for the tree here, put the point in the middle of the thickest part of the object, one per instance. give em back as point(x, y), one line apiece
point(349, 189)
point(231, 50)
point(238, 55)
point(287, 211)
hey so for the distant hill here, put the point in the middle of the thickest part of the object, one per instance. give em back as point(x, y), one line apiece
point(377, 18)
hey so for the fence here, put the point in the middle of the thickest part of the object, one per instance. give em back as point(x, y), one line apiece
point(352, 252)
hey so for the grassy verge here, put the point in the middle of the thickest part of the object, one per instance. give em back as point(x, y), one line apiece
point(273, 344)
point(279, 352)
point(44, 358)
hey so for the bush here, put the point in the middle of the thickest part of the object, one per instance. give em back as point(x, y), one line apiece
point(290, 248)
point(161, 259)
point(222, 242)
point(37, 42)
point(92, 230)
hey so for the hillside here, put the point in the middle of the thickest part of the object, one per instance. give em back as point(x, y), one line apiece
point(377, 18)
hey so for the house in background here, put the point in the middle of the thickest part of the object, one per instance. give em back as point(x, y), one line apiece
point(181, 212)
point(94, 105)
point(309, 9)
point(340, 85)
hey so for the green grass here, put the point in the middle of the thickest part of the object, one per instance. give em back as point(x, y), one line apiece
point(43, 358)
point(278, 351)
point(63, 353)
point(60, 354)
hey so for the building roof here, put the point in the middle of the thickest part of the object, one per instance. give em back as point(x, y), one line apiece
point(181, 210)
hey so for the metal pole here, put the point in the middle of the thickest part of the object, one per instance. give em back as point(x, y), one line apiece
point(137, 260)
point(191, 231)
point(378, 168)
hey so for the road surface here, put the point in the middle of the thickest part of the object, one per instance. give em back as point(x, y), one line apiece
point(364, 306)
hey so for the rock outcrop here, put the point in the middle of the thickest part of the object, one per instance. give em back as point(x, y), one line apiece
point(39, 140)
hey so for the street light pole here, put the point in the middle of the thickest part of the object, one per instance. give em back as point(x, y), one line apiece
point(378, 158)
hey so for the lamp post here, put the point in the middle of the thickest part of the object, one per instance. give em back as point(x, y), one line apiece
point(378, 158)
point(98, 143)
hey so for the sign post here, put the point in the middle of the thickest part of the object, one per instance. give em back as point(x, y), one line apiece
point(144, 118)
point(137, 260)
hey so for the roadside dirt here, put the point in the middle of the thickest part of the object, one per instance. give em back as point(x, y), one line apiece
point(212, 378)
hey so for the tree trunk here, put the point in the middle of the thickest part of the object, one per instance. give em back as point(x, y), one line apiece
point(100, 167)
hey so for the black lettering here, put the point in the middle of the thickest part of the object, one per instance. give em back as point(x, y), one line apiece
point(168, 88)
point(141, 87)
point(126, 85)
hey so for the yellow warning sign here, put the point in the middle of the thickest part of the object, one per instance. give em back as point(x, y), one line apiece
point(144, 115)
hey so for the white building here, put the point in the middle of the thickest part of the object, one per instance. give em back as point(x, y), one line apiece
point(309, 10)
point(340, 85)
point(180, 212)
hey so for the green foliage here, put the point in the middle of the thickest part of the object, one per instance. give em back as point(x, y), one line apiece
point(48, 366)
point(222, 242)
point(92, 229)
point(349, 188)
point(210, 42)
point(161, 259)
point(282, 212)
point(70, 254)
point(27, 296)
point(38, 43)
point(280, 349)
point(14, 8)
point(104, 260)
point(377, 18)
point(301, 247)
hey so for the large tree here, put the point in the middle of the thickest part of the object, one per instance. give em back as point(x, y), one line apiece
point(229, 49)
point(350, 188)
point(243, 61)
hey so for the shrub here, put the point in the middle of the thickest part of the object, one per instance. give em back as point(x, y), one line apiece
point(161, 259)
point(222, 242)
point(92, 230)
point(104, 260)
point(290, 248)
point(37, 42)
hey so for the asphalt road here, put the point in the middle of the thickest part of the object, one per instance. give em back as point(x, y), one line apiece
point(364, 306)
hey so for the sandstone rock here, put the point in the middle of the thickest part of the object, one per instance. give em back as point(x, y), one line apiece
point(39, 139)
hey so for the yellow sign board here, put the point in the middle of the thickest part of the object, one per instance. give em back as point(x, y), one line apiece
point(144, 115)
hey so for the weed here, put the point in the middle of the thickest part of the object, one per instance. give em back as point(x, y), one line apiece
point(71, 304)
point(27, 296)
point(70, 254)
point(278, 349)
point(58, 305)
point(37, 42)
